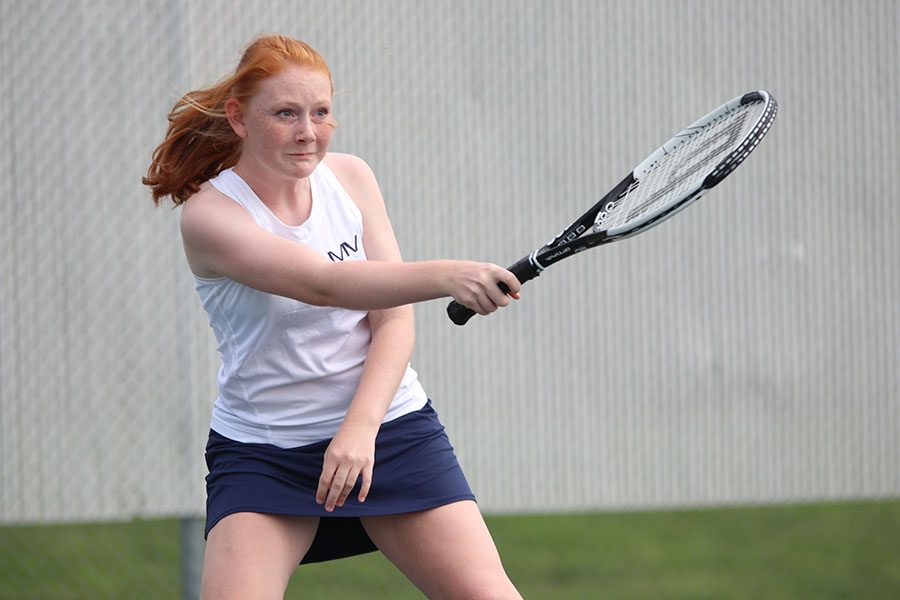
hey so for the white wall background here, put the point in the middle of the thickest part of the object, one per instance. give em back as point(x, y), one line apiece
point(746, 351)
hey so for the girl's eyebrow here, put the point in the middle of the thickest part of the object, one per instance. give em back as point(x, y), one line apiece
point(293, 105)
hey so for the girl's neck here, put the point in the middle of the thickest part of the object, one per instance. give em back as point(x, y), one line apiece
point(289, 199)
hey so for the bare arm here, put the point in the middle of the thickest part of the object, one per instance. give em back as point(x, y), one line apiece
point(393, 336)
point(393, 331)
point(221, 239)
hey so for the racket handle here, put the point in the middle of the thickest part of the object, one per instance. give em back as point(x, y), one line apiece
point(524, 271)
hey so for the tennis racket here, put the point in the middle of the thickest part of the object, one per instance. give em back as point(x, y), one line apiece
point(669, 180)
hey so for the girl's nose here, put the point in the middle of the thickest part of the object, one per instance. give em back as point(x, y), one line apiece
point(304, 132)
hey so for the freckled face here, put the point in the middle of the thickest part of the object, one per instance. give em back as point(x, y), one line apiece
point(287, 123)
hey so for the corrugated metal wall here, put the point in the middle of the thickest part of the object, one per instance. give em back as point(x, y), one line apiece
point(744, 352)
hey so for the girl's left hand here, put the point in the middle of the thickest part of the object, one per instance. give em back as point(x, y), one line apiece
point(350, 454)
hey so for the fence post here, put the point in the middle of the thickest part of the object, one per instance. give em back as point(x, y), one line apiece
point(191, 533)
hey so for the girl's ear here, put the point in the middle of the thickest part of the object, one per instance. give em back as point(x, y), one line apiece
point(235, 117)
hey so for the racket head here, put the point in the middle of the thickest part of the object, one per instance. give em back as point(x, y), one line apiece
point(690, 163)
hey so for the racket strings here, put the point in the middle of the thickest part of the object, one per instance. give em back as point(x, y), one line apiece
point(683, 165)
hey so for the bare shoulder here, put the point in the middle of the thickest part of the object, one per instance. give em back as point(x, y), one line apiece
point(210, 222)
point(207, 207)
point(356, 177)
point(359, 182)
point(348, 166)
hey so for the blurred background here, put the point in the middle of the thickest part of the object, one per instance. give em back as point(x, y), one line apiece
point(631, 422)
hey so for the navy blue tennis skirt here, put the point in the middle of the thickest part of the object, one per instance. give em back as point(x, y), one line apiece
point(415, 469)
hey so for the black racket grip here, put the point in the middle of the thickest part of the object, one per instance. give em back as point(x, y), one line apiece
point(524, 271)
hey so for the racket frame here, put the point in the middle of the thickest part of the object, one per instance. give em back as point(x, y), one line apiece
point(575, 238)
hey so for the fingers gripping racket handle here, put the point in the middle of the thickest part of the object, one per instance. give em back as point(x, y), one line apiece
point(524, 270)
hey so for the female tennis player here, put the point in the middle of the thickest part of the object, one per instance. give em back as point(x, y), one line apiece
point(323, 443)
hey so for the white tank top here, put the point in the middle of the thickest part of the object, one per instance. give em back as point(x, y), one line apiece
point(289, 369)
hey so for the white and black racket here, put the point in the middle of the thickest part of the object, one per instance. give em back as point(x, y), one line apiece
point(678, 173)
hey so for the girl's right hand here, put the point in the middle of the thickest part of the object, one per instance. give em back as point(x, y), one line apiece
point(476, 285)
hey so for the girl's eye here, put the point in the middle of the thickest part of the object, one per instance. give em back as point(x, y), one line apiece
point(286, 113)
point(322, 113)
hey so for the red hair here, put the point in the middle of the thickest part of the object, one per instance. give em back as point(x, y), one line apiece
point(200, 142)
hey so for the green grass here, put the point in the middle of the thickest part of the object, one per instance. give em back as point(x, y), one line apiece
point(819, 551)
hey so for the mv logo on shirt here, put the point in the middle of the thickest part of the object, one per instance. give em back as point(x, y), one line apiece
point(345, 250)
